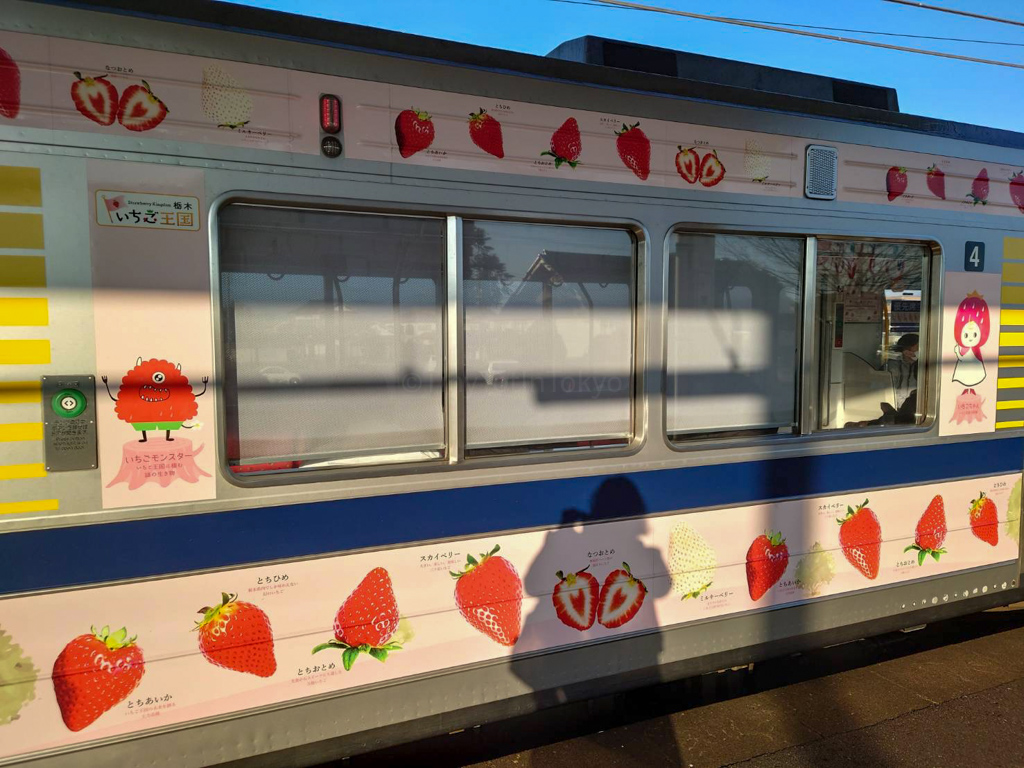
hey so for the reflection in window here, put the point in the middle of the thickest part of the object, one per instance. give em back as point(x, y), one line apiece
point(333, 337)
point(733, 333)
point(548, 334)
point(871, 297)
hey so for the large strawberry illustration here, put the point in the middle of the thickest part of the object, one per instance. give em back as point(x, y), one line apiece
point(366, 621)
point(237, 635)
point(860, 536)
point(485, 131)
point(622, 594)
point(1017, 190)
point(95, 673)
point(711, 170)
point(979, 188)
point(688, 164)
point(140, 109)
point(10, 86)
point(767, 559)
point(95, 97)
point(575, 599)
point(414, 131)
point(895, 182)
point(936, 181)
point(489, 595)
point(566, 144)
point(930, 532)
point(634, 150)
point(985, 519)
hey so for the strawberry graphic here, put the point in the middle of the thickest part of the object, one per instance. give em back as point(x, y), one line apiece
point(936, 182)
point(896, 182)
point(634, 150)
point(985, 519)
point(366, 620)
point(931, 532)
point(10, 86)
point(622, 594)
point(94, 673)
point(979, 188)
point(414, 131)
point(1017, 190)
point(860, 536)
point(485, 132)
point(711, 169)
point(575, 599)
point(237, 635)
point(767, 559)
point(688, 164)
point(140, 109)
point(95, 97)
point(489, 594)
point(566, 144)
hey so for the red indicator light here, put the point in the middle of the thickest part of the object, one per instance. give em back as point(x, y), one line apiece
point(330, 113)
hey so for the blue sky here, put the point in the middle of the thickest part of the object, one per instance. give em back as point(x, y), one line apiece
point(954, 90)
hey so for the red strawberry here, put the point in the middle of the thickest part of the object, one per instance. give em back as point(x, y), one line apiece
point(634, 150)
point(936, 182)
point(860, 536)
point(366, 620)
point(414, 131)
point(688, 164)
point(485, 132)
point(95, 97)
point(622, 594)
point(489, 594)
point(1017, 190)
point(95, 673)
point(711, 169)
point(10, 86)
point(566, 144)
point(767, 559)
point(931, 532)
point(140, 109)
point(985, 519)
point(237, 635)
point(979, 188)
point(896, 182)
point(575, 599)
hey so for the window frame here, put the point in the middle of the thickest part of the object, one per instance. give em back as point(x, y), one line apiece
point(808, 378)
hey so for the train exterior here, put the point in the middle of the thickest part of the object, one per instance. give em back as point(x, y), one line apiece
point(357, 387)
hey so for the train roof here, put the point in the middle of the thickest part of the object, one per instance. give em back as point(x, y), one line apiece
point(589, 61)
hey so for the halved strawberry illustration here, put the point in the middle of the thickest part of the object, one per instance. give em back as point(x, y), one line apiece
point(711, 169)
point(414, 131)
point(10, 86)
point(895, 182)
point(575, 599)
point(622, 594)
point(1017, 190)
point(634, 150)
point(485, 131)
point(979, 189)
point(688, 164)
point(566, 144)
point(366, 621)
point(95, 97)
point(140, 109)
point(936, 182)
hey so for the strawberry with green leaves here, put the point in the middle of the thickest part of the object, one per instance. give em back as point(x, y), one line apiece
point(236, 635)
point(489, 595)
point(767, 559)
point(860, 536)
point(930, 532)
point(575, 599)
point(366, 621)
point(634, 150)
point(566, 144)
point(985, 519)
point(485, 131)
point(414, 131)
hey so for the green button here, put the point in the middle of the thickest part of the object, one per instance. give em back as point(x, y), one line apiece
point(68, 403)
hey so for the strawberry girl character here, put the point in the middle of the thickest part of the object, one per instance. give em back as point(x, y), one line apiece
point(155, 395)
point(971, 329)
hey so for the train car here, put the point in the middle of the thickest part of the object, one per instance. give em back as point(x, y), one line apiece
point(357, 387)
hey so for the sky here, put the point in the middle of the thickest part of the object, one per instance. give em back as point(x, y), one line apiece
point(966, 92)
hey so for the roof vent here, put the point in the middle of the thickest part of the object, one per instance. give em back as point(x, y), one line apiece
point(821, 172)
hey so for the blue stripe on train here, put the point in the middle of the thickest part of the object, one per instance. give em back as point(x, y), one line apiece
point(62, 557)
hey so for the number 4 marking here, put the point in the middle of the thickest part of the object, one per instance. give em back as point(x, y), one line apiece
point(974, 257)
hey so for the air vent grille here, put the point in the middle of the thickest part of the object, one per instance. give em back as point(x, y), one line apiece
point(821, 175)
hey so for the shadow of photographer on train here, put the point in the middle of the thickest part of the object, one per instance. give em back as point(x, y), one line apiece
point(595, 580)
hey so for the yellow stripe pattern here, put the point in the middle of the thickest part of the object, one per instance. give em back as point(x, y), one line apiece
point(17, 392)
point(20, 186)
point(1011, 316)
point(1011, 339)
point(24, 312)
point(22, 471)
point(1009, 405)
point(1012, 383)
point(22, 507)
point(24, 352)
point(21, 230)
point(12, 433)
point(22, 272)
point(1010, 424)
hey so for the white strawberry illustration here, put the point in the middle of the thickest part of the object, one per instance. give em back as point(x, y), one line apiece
point(225, 101)
point(691, 561)
point(756, 161)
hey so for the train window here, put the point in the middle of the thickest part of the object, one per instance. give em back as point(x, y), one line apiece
point(733, 334)
point(333, 335)
point(548, 335)
point(871, 316)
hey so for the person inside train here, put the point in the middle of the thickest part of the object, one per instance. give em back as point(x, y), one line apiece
point(903, 367)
